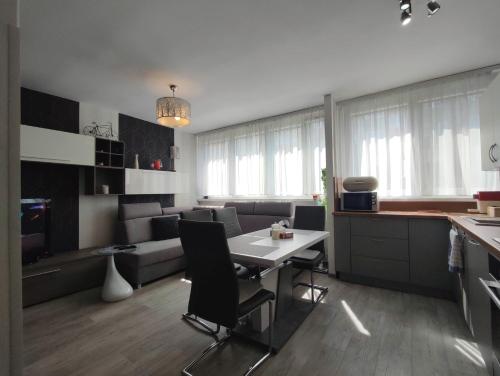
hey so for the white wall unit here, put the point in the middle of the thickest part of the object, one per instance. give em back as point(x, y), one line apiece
point(490, 127)
point(143, 182)
point(50, 146)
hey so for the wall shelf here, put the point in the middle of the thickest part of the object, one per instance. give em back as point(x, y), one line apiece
point(143, 182)
point(108, 170)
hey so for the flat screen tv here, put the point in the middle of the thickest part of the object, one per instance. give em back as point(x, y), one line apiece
point(35, 223)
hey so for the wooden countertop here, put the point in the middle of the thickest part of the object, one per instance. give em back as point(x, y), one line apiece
point(406, 214)
point(482, 234)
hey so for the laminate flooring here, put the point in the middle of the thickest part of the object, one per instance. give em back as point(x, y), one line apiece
point(356, 330)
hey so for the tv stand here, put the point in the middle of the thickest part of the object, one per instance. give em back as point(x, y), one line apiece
point(62, 274)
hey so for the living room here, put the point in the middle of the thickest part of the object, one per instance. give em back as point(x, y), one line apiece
point(245, 188)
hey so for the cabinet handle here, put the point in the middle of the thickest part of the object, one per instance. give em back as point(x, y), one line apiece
point(473, 242)
point(377, 240)
point(488, 285)
point(492, 156)
point(41, 273)
point(45, 158)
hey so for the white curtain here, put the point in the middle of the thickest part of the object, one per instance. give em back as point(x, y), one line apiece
point(278, 156)
point(419, 140)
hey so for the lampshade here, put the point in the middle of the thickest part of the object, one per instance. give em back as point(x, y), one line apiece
point(172, 111)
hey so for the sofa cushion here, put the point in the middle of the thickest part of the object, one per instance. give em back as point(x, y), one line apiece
point(278, 209)
point(137, 230)
point(198, 215)
point(153, 252)
point(176, 210)
point(230, 219)
point(165, 227)
point(241, 207)
point(131, 211)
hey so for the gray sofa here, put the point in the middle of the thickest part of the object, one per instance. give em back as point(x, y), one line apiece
point(154, 259)
point(257, 215)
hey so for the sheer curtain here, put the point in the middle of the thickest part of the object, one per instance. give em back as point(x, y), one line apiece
point(419, 140)
point(278, 156)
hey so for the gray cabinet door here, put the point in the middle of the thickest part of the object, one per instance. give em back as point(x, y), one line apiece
point(396, 228)
point(429, 240)
point(342, 241)
point(477, 266)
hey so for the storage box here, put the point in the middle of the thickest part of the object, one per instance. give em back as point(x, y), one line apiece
point(493, 211)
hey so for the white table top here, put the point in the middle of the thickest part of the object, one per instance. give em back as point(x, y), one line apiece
point(259, 248)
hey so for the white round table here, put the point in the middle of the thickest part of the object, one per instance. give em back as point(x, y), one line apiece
point(115, 287)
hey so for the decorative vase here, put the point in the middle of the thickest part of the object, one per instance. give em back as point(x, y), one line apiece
point(136, 162)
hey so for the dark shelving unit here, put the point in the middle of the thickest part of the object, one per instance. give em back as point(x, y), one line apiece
point(109, 168)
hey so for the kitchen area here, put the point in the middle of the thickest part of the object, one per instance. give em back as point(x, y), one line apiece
point(444, 248)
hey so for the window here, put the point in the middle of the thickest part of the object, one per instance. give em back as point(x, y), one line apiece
point(420, 140)
point(278, 156)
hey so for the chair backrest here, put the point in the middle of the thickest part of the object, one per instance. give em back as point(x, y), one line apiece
point(311, 218)
point(229, 217)
point(214, 285)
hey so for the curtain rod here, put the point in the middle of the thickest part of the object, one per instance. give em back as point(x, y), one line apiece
point(492, 68)
point(316, 107)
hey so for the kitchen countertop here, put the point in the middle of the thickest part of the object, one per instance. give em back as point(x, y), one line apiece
point(482, 234)
point(431, 214)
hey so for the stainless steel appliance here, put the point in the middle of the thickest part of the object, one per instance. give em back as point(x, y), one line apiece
point(492, 288)
point(359, 201)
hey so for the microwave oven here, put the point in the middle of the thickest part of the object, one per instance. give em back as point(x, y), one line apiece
point(359, 201)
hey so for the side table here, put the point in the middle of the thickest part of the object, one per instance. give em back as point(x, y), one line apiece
point(115, 287)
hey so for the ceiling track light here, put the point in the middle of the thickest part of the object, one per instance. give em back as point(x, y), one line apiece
point(432, 8)
point(404, 4)
point(406, 17)
point(406, 12)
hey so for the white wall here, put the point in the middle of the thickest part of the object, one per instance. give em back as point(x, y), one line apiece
point(90, 112)
point(186, 168)
point(97, 214)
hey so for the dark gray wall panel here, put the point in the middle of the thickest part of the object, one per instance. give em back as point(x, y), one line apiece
point(165, 201)
point(48, 111)
point(151, 141)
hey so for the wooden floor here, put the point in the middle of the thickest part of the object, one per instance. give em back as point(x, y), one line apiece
point(357, 330)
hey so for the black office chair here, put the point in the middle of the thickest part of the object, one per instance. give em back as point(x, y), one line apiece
point(214, 285)
point(310, 218)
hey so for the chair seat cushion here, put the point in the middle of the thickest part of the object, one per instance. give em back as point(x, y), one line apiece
point(307, 258)
point(153, 252)
point(254, 301)
point(241, 271)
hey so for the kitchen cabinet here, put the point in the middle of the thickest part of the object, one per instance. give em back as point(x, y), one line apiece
point(409, 254)
point(490, 126)
point(479, 312)
point(379, 248)
point(50, 146)
point(428, 242)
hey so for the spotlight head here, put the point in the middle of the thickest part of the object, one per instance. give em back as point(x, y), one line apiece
point(404, 4)
point(432, 8)
point(405, 18)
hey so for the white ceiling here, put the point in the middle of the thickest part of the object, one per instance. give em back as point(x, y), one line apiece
point(238, 60)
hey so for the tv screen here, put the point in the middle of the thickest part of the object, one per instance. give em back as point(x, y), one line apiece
point(35, 220)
